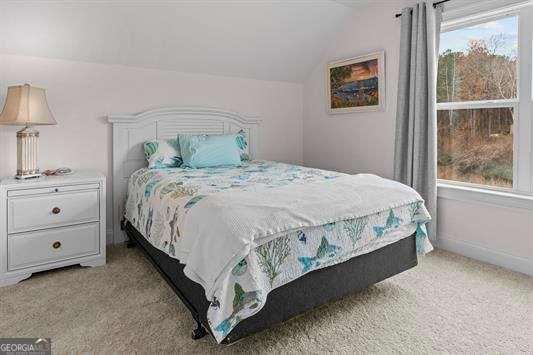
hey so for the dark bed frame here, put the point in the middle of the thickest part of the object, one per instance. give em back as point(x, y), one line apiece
point(296, 297)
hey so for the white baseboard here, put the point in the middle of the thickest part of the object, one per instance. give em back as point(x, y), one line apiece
point(490, 256)
point(109, 236)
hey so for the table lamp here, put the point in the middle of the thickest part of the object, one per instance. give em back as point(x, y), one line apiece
point(26, 106)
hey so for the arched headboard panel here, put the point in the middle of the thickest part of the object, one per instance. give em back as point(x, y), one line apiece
point(130, 132)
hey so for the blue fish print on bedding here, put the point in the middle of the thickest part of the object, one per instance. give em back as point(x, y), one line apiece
point(160, 199)
point(329, 226)
point(242, 302)
point(392, 223)
point(215, 303)
point(240, 268)
point(301, 236)
point(193, 201)
point(325, 251)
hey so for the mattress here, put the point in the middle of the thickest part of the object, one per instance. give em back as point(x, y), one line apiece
point(160, 202)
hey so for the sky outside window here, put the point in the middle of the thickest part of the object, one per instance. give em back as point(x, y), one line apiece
point(458, 40)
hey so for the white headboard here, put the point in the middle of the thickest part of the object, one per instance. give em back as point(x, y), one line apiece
point(130, 132)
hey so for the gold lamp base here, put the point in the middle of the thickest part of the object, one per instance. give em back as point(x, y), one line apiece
point(27, 153)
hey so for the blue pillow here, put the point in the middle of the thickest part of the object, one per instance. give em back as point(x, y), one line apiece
point(202, 151)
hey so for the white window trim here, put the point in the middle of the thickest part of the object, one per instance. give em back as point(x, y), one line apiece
point(521, 196)
point(472, 105)
point(481, 11)
point(525, 125)
point(450, 190)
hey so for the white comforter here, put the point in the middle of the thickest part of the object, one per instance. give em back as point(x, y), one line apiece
point(242, 232)
point(223, 228)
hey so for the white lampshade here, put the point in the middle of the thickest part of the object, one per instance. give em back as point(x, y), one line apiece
point(26, 106)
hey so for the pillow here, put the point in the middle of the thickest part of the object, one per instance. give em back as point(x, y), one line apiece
point(202, 150)
point(241, 142)
point(162, 154)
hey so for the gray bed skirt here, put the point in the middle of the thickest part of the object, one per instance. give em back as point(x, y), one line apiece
point(303, 294)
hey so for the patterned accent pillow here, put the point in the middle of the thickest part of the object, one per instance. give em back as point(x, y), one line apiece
point(242, 143)
point(162, 154)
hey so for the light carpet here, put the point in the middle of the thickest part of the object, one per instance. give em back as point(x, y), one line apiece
point(447, 304)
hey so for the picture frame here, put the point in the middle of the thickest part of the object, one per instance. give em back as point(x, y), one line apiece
point(356, 84)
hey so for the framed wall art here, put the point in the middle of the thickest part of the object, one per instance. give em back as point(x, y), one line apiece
point(356, 84)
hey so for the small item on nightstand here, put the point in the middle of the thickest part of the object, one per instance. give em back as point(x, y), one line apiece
point(58, 172)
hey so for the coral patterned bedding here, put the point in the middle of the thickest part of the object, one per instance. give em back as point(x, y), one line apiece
point(182, 212)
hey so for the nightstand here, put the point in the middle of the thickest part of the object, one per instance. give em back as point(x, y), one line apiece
point(51, 222)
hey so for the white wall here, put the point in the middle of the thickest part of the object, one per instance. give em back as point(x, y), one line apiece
point(364, 142)
point(488, 232)
point(81, 95)
point(357, 142)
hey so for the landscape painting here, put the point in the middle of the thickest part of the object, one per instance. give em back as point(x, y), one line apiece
point(355, 84)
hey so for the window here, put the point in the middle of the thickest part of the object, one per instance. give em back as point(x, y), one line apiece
point(476, 146)
point(477, 96)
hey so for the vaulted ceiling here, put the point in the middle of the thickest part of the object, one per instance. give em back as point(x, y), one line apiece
point(262, 39)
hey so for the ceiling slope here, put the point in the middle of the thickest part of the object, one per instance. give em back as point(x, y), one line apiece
point(267, 40)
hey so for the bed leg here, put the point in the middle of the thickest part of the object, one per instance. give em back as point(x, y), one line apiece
point(199, 332)
point(123, 223)
point(130, 243)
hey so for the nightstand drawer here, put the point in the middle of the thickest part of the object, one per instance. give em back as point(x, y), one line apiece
point(51, 189)
point(37, 248)
point(27, 213)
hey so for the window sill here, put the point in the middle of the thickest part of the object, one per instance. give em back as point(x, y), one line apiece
point(457, 192)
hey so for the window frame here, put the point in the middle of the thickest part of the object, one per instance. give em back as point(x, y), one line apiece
point(522, 105)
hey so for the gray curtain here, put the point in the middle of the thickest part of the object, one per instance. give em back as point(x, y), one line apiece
point(415, 154)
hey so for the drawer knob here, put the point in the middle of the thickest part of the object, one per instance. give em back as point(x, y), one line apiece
point(56, 210)
point(56, 245)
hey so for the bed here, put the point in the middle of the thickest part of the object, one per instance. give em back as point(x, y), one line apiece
point(251, 246)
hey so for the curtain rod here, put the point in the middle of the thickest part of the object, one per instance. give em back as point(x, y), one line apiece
point(435, 4)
